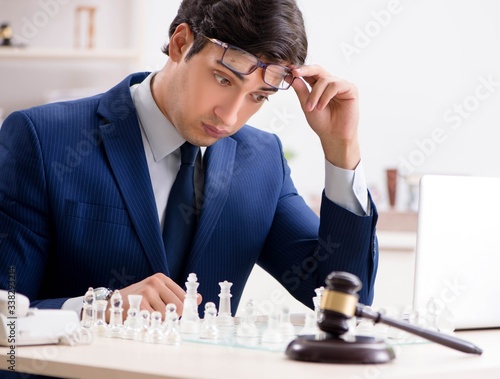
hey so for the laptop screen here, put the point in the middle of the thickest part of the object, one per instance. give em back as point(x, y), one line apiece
point(457, 265)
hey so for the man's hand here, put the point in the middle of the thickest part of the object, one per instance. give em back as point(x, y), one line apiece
point(157, 291)
point(332, 110)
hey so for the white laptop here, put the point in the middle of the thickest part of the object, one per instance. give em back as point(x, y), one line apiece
point(458, 249)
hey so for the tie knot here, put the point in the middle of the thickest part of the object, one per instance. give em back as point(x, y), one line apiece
point(188, 153)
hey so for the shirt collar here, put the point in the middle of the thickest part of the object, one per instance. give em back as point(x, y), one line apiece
point(162, 136)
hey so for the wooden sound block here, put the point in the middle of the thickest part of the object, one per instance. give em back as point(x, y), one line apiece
point(336, 350)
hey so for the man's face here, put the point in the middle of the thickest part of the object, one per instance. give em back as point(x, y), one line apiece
point(208, 101)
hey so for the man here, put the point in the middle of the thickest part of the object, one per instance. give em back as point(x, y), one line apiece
point(86, 185)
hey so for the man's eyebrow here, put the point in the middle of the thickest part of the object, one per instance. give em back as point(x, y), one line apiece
point(237, 74)
point(268, 89)
point(243, 79)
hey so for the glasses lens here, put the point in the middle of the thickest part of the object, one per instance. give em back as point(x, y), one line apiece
point(278, 76)
point(240, 61)
point(245, 63)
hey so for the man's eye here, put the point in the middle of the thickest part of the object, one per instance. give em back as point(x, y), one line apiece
point(260, 98)
point(222, 80)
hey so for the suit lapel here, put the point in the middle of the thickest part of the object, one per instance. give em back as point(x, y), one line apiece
point(219, 164)
point(122, 141)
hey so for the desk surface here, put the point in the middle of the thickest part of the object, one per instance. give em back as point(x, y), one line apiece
point(114, 358)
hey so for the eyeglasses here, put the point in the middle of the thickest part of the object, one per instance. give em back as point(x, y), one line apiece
point(242, 62)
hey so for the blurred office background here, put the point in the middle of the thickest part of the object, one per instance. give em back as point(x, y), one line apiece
point(428, 73)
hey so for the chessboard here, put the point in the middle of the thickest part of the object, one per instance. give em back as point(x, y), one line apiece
point(271, 332)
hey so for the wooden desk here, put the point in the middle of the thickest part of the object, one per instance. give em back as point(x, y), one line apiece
point(113, 358)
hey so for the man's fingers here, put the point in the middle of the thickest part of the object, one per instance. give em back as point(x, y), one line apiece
point(324, 88)
point(157, 291)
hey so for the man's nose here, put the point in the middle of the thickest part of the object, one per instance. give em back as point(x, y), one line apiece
point(229, 110)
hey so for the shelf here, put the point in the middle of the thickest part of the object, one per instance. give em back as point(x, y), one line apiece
point(397, 241)
point(397, 221)
point(40, 53)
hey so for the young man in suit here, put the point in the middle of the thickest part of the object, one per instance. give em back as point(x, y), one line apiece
point(85, 184)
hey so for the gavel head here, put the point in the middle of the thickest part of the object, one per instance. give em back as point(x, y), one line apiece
point(338, 303)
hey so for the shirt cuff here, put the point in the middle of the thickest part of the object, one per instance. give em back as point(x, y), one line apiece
point(347, 188)
point(74, 304)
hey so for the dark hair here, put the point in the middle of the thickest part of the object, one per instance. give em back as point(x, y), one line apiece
point(271, 29)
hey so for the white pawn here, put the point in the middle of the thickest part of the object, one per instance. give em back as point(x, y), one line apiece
point(172, 334)
point(272, 337)
point(209, 328)
point(286, 328)
point(88, 314)
point(310, 325)
point(247, 327)
point(133, 325)
point(145, 316)
point(100, 325)
point(190, 320)
point(155, 332)
point(115, 315)
point(224, 317)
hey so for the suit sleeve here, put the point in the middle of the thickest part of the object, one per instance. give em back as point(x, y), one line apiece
point(25, 223)
point(301, 250)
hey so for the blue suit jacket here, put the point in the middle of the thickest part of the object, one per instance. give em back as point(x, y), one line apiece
point(77, 209)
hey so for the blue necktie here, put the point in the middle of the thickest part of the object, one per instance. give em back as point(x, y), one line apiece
point(180, 215)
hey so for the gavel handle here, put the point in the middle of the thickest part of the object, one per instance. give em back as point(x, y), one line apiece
point(443, 339)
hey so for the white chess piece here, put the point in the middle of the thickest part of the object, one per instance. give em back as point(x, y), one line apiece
point(100, 325)
point(272, 337)
point(285, 326)
point(317, 301)
point(310, 325)
point(155, 333)
point(88, 314)
point(209, 328)
point(247, 327)
point(172, 334)
point(190, 320)
point(145, 317)
point(133, 324)
point(224, 317)
point(115, 315)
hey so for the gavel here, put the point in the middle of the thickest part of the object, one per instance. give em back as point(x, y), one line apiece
point(338, 305)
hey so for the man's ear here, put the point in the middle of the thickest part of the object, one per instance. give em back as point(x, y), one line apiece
point(180, 42)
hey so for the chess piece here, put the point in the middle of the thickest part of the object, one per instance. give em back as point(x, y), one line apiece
point(317, 301)
point(172, 333)
point(133, 324)
point(272, 337)
point(209, 329)
point(224, 317)
point(88, 314)
point(115, 315)
point(145, 317)
point(155, 333)
point(286, 328)
point(100, 325)
point(310, 325)
point(190, 320)
point(247, 327)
